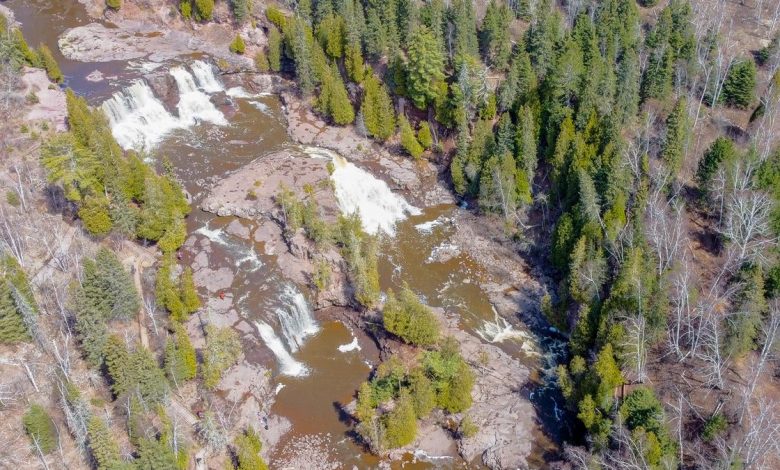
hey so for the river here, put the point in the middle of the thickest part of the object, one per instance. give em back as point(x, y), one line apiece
point(316, 365)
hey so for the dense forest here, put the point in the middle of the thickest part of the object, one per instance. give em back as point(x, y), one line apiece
point(627, 148)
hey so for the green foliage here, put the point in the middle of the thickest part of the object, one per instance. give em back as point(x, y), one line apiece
point(18, 308)
point(494, 35)
point(222, 351)
point(744, 323)
point(261, 61)
point(451, 375)
point(189, 294)
point(94, 213)
point(185, 7)
point(359, 250)
point(408, 139)
point(676, 137)
point(722, 151)
point(409, 319)
point(715, 426)
point(333, 100)
point(247, 451)
point(114, 4)
point(322, 275)
point(424, 136)
point(102, 446)
point(204, 9)
point(238, 46)
point(401, 423)
point(40, 429)
point(274, 49)
point(154, 454)
point(276, 17)
point(181, 363)
point(739, 86)
point(50, 64)
point(241, 9)
point(106, 292)
point(425, 67)
point(134, 372)
point(377, 109)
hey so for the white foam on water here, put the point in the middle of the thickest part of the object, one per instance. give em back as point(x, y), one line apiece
point(251, 259)
point(138, 119)
point(352, 346)
point(262, 107)
point(287, 364)
point(204, 74)
point(295, 318)
point(359, 191)
point(239, 92)
point(443, 249)
point(144, 67)
point(215, 235)
point(278, 388)
point(500, 330)
point(427, 227)
point(194, 105)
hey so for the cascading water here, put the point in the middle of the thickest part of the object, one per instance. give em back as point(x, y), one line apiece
point(204, 74)
point(359, 191)
point(138, 119)
point(295, 318)
point(287, 364)
point(194, 105)
point(296, 323)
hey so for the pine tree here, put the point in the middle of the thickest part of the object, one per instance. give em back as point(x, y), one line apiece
point(465, 22)
point(334, 100)
point(248, 447)
point(401, 423)
point(377, 109)
point(424, 136)
point(676, 135)
point(189, 294)
point(102, 446)
point(353, 61)
point(494, 35)
point(238, 46)
point(155, 454)
point(222, 350)
point(148, 377)
point(274, 49)
point(408, 139)
point(118, 365)
point(721, 151)
point(525, 142)
point(425, 68)
point(50, 63)
point(409, 319)
point(738, 89)
point(40, 428)
point(330, 33)
point(240, 9)
point(301, 41)
point(204, 9)
point(180, 359)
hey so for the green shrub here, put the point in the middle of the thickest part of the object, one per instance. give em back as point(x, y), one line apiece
point(32, 98)
point(50, 64)
point(238, 46)
point(95, 216)
point(204, 9)
point(276, 17)
point(714, 427)
point(40, 428)
point(222, 350)
point(401, 423)
point(114, 4)
point(185, 7)
point(261, 62)
point(424, 135)
point(467, 428)
point(409, 319)
point(408, 139)
point(12, 198)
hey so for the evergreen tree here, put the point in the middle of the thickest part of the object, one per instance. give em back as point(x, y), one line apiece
point(154, 454)
point(180, 359)
point(330, 33)
point(301, 42)
point(189, 294)
point(52, 68)
point(222, 350)
point(274, 49)
point(114, 4)
point(102, 446)
point(240, 9)
point(118, 365)
point(334, 100)
point(238, 46)
point(409, 319)
point(676, 136)
point(401, 423)
point(465, 23)
point(248, 446)
point(425, 67)
point(494, 35)
point(148, 377)
point(377, 109)
point(721, 151)
point(424, 136)
point(408, 139)
point(204, 9)
point(740, 83)
point(40, 428)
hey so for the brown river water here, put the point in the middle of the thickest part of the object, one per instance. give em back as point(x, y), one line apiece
point(255, 127)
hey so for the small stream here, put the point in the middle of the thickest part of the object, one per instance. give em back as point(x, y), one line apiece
point(317, 362)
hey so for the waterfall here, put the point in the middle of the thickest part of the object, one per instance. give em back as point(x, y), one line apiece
point(204, 74)
point(287, 364)
point(138, 119)
point(295, 318)
point(194, 105)
point(359, 191)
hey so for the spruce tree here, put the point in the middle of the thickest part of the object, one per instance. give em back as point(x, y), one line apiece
point(738, 89)
point(238, 46)
point(408, 139)
point(204, 9)
point(102, 446)
point(494, 35)
point(424, 136)
point(425, 68)
point(180, 360)
point(118, 365)
point(240, 9)
point(274, 49)
point(189, 294)
point(50, 64)
point(401, 423)
point(40, 428)
point(676, 136)
point(377, 109)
